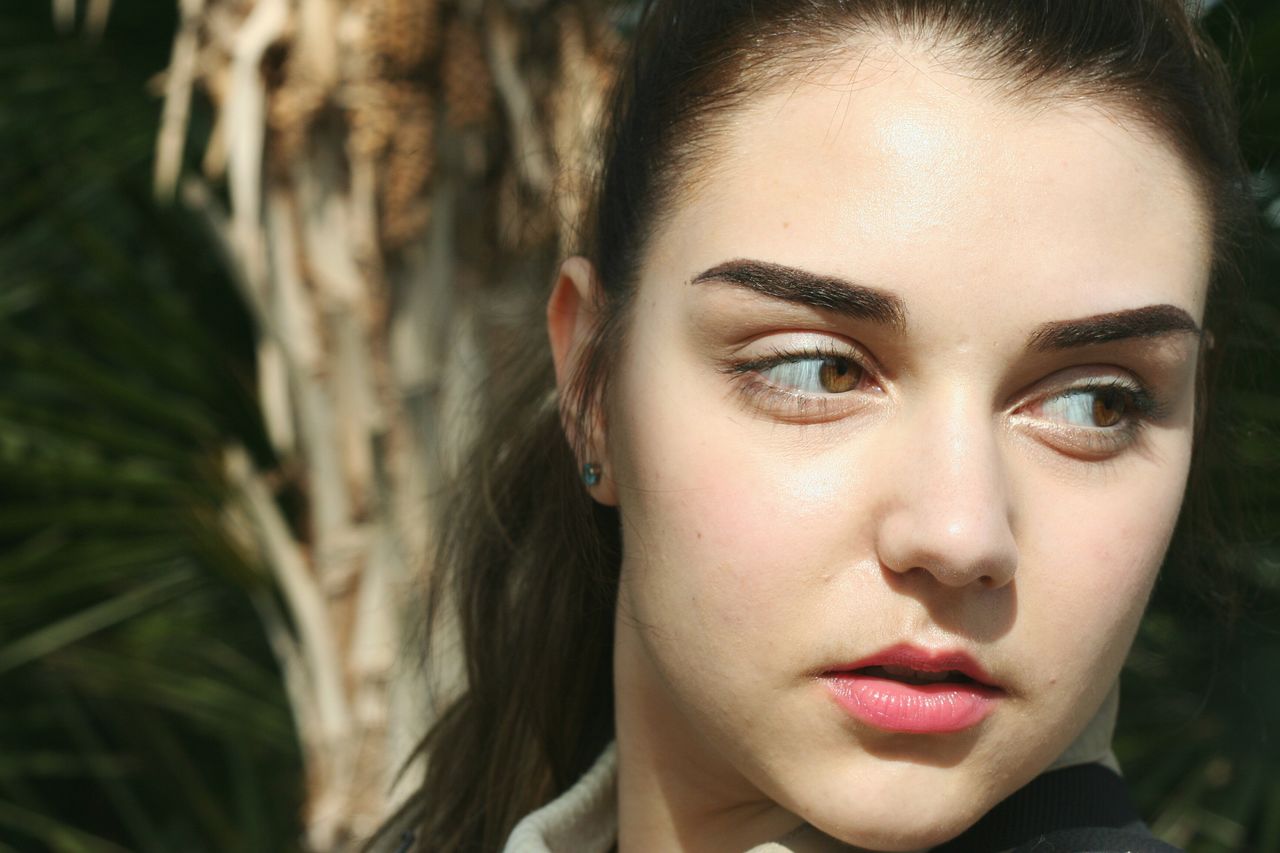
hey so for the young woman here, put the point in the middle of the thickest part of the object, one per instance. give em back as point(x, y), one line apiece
point(869, 412)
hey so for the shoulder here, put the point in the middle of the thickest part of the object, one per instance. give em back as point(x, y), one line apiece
point(583, 819)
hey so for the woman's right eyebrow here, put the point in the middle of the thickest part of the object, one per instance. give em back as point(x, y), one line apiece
point(824, 292)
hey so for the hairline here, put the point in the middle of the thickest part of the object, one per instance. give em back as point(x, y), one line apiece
point(766, 68)
point(765, 73)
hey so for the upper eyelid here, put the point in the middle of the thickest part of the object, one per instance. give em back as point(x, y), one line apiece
point(1082, 385)
point(821, 345)
point(1073, 377)
point(792, 357)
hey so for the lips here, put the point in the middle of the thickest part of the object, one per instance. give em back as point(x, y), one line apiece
point(905, 660)
point(910, 690)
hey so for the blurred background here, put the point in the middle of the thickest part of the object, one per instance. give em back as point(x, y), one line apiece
point(253, 256)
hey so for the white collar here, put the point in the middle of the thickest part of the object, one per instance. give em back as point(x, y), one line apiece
point(584, 819)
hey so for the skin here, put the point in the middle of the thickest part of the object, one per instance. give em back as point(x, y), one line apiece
point(952, 499)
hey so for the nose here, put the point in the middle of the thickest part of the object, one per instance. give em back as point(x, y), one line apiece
point(945, 507)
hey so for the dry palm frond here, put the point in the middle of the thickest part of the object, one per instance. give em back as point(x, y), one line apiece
point(409, 164)
point(465, 81)
point(404, 33)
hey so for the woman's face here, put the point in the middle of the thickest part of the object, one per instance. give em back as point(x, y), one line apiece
point(908, 383)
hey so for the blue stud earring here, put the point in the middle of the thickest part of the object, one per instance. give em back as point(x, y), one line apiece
point(591, 473)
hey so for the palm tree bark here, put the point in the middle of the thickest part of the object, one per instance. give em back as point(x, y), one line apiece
point(376, 172)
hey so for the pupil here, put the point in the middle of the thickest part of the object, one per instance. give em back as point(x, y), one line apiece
point(838, 376)
point(1108, 409)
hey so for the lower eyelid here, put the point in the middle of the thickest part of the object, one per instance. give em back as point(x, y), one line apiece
point(1096, 442)
point(772, 401)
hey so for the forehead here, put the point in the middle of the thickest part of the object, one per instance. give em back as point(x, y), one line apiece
point(902, 174)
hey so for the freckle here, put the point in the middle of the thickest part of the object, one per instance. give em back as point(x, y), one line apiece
point(699, 534)
point(786, 225)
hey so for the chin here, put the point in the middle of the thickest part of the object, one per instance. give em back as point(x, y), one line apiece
point(900, 824)
point(904, 835)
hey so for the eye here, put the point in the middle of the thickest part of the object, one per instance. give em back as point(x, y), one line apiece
point(1107, 407)
point(1096, 419)
point(825, 374)
point(813, 381)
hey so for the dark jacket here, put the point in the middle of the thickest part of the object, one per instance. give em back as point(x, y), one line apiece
point(1081, 809)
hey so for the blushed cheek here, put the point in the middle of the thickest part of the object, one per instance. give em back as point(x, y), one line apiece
point(1096, 557)
point(721, 520)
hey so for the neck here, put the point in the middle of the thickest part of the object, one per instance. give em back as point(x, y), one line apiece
point(651, 816)
point(674, 791)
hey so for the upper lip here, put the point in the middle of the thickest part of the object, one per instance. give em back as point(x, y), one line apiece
point(923, 660)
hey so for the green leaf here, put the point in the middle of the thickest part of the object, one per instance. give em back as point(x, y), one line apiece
point(88, 622)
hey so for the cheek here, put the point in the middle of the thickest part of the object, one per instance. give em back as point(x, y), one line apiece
point(717, 528)
point(1090, 559)
point(712, 482)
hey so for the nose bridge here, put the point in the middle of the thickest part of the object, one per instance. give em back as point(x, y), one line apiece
point(948, 510)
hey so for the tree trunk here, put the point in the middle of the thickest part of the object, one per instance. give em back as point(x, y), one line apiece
point(378, 172)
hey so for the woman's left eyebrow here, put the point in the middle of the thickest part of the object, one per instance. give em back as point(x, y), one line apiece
point(1149, 322)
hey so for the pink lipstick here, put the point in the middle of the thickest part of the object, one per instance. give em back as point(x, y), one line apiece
point(913, 691)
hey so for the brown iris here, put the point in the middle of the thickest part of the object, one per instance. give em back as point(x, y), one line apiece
point(839, 375)
point(1108, 408)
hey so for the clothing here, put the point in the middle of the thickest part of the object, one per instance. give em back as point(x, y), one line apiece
point(1079, 809)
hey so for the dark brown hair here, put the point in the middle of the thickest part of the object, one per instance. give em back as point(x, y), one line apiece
point(529, 564)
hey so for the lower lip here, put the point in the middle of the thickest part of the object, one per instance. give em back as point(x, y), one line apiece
point(893, 706)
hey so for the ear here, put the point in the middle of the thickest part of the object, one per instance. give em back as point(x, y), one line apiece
point(572, 318)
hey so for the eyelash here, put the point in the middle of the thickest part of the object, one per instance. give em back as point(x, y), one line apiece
point(1141, 405)
point(764, 394)
point(1142, 409)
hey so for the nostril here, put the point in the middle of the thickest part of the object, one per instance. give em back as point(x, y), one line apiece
point(977, 549)
point(999, 578)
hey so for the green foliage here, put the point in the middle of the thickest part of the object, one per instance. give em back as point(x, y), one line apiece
point(142, 709)
point(1198, 734)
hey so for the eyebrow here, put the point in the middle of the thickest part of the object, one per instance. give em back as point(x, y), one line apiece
point(826, 293)
point(841, 296)
point(1150, 322)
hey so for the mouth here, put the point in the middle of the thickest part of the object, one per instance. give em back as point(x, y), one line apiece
point(909, 690)
point(908, 675)
point(913, 665)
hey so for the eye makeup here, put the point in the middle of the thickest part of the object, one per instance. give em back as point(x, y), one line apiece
point(1094, 417)
point(1084, 414)
point(820, 380)
point(1090, 387)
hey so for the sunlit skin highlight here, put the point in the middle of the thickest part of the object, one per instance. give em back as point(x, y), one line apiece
point(802, 485)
